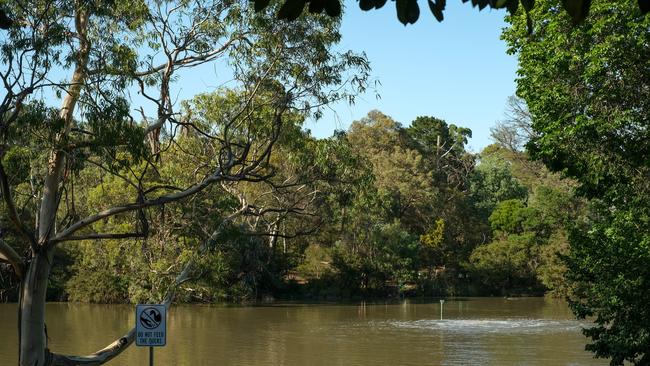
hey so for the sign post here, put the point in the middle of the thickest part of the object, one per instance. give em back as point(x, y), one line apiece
point(150, 327)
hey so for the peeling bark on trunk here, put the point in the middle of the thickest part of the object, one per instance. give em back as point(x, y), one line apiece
point(32, 332)
point(33, 340)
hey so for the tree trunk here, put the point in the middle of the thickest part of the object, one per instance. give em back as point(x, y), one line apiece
point(32, 333)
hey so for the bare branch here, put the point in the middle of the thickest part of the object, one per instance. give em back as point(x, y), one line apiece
point(119, 345)
point(9, 255)
point(11, 207)
point(136, 206)
point(193, 60)
point(99, 236)
point(172, 197)
point(98, 358)
point(247, 172)
point(296, 234)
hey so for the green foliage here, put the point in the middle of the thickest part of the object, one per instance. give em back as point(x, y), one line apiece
point(509, 216)
point(385, 264)
point(396, 224)
point(392, 214)
point(316, 263)
point(114, 132)
point(492, 182)
point(434, 250)
point(97, 274)
point(431, 134)
point(442, 146)
point(532, 226)
point(586, 88)
point(434, 238)
point(552, 269)
point(507, 263)
point(596, 135)
point(609, 264)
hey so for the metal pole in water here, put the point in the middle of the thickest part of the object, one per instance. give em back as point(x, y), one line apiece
point(442, 302)
point(150, 356)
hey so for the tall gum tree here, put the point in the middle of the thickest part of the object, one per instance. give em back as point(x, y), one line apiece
point(111, 50)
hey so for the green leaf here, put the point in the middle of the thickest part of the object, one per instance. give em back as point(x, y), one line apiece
point(408, 11)
point(5, 21)
point(316, 6)
point(498, 4)
point(436, 9)
point(413, 11)
point(577, 9)
point(366, 5)
point(402, 11)
point(528, 4)
point(379, 3)
point(333, 8)
point(512, 6)
point(291, 9)
point(644, 5)
point(261, 4)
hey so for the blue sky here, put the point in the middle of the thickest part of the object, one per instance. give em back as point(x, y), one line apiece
point(457, 70)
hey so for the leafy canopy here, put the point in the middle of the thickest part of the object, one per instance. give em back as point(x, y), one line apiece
point(586, 88)
point(408, 11)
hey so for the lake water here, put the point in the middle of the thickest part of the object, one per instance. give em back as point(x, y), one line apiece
point(473, 331)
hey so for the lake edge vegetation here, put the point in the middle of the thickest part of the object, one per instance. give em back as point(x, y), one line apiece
point(224, 197)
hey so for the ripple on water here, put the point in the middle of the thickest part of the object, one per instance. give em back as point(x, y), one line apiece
point(523, 326)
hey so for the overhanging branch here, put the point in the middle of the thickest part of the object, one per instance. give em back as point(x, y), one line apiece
point(99, 236)
point(9, 255)
point(98, 358)
point(172, 197)
point(11, 207)
point(246, 173)
point(119, 345)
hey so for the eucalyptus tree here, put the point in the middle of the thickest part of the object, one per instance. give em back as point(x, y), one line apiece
point(112, 67)
point(254, 250)
point(410, 197)
point(421, 175)
point(287, 205)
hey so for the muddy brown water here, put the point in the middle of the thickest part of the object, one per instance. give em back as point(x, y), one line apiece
point(473, 331)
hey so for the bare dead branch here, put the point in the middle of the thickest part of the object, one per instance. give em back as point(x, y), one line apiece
point(98, 358)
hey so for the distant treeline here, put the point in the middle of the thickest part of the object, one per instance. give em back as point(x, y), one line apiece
point(379, 210)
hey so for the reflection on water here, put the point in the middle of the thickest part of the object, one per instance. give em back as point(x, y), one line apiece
point(477, 331)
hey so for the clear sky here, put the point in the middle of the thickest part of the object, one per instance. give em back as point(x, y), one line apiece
point(457, 70)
